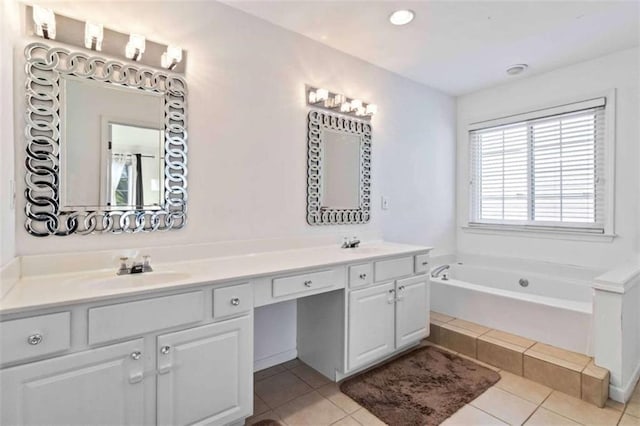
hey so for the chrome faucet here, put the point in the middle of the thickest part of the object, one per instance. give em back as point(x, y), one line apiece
point(437, 271)
point(351, 243)
point(136, 267)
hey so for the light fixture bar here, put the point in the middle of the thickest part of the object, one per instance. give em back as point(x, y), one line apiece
point(323, 98)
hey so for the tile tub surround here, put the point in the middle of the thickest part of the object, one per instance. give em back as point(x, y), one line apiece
point(32, 292)
point(569, 372)
point(513, 400)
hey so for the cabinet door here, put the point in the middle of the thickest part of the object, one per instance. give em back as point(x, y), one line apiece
point(205, 374)
point(371, 328)
point(412, 310)
point(96, 387)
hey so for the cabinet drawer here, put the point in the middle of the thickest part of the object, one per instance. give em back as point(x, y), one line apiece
point(422, 263)
point(302, 283)
point(360, 275)
point(393, 268)
point(134, 318)
point(233, 300)
point(34, 336)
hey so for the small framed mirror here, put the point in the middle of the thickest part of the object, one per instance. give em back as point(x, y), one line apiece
point(106, 145)
point(338, 169)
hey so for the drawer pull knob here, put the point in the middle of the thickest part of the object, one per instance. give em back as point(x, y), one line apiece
point(363, 276)
point(235, 301)
point(308, 283)
point(425, 263)
point(165, 350)
point(136, 355)
point(34, 339)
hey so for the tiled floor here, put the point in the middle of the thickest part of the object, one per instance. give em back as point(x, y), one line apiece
point(295, 394)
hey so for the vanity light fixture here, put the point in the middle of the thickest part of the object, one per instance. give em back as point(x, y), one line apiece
point(322, 98)
point(135, 47)
point(45, 21)
point(93, 35)
point(171, 57)
point(401, 17)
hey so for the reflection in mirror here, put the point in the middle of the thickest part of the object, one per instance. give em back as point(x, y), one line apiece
point(340, 170)
point(111, 146)
point(135, 167)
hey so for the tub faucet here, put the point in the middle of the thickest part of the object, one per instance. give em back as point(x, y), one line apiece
point(437, 271)
point(351, 243)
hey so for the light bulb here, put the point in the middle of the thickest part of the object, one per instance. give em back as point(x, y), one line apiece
point(45, 21)
point(93, 35)
point(355, 104)
point(345, 107)
point(371, 109)
point(171, 57)
point(322, 95)
point(135, 47)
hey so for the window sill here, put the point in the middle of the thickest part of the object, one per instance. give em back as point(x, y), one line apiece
point(559, 234)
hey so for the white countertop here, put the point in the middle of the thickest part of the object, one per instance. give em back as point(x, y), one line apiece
point(46, 291)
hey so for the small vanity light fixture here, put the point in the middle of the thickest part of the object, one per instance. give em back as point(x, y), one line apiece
point(45, 21)
point(171, 57)
point(345, 107)
point(322, 98)
point(93, 35)
point(135, 47)
point(356, 104)
point(318, 95)
point(401, 17)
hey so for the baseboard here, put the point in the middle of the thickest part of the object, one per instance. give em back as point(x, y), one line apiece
point(622, 394)
point(279, 358)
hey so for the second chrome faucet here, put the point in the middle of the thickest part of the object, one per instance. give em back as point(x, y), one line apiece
point(136, 267)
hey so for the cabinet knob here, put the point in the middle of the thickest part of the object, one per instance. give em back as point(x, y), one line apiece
point(235, 301)
point(136, 355)
point(34, 339)
point(363, 276)
point(308, 283)
point(165, 350)
point(401, 288)
point(425, 263)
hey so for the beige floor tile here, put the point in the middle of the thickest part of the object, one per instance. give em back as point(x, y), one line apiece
point(458, 339)
point(501, 354)
point(469, 415)
point(580, 411)
point(504, 406)
point(364, 417)
point(484, 364)
point(292, 364)
point(332, 392)
point(553, 375)
point(561, 357)
point(524, 388)
point(441, 318)
point(633, 408)
point(509, 338)
point(347, 421)
point(544, 417)
point(618, 406)
point(310, 376)
point(628, 420)
point(310, 409)
point(259, 406)
point(264, 416)
point(271, 371)
point(281, 388)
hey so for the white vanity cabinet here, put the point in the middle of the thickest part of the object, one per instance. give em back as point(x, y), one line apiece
point(205, 374)
point(412, 310)
point(96, 387)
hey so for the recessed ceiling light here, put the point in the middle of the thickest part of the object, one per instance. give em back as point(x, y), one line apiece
point(401, 17)
point(516, 69)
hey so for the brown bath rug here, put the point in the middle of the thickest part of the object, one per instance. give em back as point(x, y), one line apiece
point(268, 422)
point(423, 387)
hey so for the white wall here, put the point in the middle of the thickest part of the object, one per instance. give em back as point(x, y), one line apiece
point(247, 139)
point(8, 29)
point(247, 132)
point(620, 71)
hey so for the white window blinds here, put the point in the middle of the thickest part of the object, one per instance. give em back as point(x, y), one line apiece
point(541, 172)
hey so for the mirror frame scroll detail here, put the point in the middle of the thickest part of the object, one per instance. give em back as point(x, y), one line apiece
point(316, 213)
point(44, 67)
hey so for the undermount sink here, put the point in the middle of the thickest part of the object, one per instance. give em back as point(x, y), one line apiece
point(110, 280)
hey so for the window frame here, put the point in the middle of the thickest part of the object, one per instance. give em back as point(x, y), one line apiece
point(551, 229)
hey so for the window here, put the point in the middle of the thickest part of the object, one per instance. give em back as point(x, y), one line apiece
point(541, 170)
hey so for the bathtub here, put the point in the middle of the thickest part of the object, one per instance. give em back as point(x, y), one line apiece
point(555, 307)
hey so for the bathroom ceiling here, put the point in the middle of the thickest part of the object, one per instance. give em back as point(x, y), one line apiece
point(461, 46)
